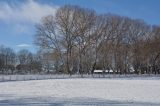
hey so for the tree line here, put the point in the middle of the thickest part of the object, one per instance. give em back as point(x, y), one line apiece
point(22, 62)
point(78, 40)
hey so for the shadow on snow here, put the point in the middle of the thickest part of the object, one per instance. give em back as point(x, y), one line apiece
point(55, 101)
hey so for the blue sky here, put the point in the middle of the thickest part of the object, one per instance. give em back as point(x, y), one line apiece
point(18, 17)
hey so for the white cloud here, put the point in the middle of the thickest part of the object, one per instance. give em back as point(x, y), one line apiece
point(31, 11)
point(23, 45)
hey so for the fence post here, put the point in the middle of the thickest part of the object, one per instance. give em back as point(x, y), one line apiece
point(10, 78)
point(2, 78)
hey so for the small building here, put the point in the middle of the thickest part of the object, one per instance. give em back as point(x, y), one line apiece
point(108, 71)
point(98, 71)
point(103, 71)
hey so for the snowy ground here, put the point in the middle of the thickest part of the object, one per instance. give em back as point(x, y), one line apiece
point(81, 91)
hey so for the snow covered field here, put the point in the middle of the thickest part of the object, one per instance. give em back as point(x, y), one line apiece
point(81, 91)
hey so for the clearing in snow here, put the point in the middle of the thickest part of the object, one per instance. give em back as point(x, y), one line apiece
point(81, 91)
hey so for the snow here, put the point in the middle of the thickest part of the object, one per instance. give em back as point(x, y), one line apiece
point(81, 91)
point(101, 71)
point(111, 71)
point(98, 71)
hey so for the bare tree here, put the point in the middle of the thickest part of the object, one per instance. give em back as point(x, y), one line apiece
point(154, 49)
point(79, 39)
